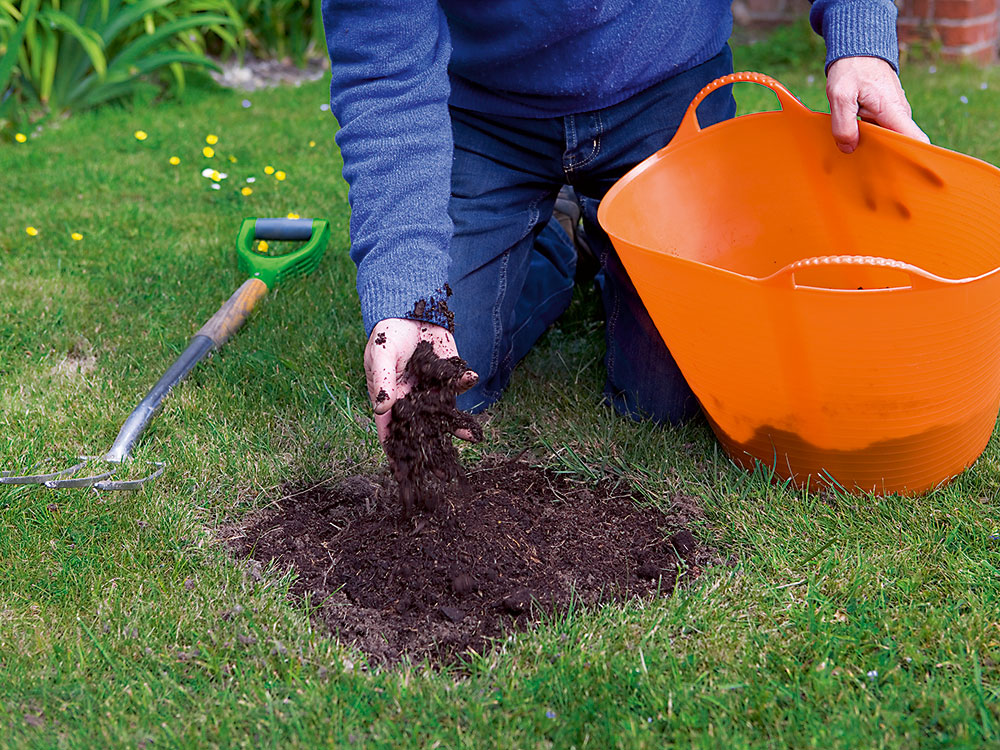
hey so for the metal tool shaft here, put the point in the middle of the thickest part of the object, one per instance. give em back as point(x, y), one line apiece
point(214, 334)
point(143, 414)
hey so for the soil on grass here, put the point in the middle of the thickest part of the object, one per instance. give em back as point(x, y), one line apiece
point(506, 545)
point(435, 561)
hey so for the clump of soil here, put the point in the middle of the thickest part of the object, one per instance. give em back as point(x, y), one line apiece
point(510, 543)
point(420, 446)
point(435, 310)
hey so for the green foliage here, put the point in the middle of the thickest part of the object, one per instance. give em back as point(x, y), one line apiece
point(795, 45)
point(283, 28)
point(61, 55)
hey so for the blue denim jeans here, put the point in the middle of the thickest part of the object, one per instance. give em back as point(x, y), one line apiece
point(512, 266)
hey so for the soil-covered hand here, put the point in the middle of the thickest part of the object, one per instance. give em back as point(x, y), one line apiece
point(389, 349)
point(867, 87)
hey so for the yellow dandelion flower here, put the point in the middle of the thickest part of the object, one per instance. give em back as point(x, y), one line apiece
point(268, 169)
point(232, 159)
point(292, 215)
point(208, 151)
point(31, 231)
point(211, 139)
point(279, 175)
point(20, 137)
point(247, 191)
point(312, 144)
point(215, 175)
point(141, 135)
point(76, 236)
point(262, 246)
point(175, 160)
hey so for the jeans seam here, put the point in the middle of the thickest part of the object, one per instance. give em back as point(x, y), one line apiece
point(542, 304)
point(595, 150)
point(495, 364)
point(611, 325)
point(497, 305)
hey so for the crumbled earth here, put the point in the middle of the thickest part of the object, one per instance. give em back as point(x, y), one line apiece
point(419, 445)
point(504, 546)
point(435, 309)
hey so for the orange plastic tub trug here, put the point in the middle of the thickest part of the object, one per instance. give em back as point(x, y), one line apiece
point(837, 315)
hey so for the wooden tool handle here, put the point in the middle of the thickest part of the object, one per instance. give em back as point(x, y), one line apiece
point(234, 312)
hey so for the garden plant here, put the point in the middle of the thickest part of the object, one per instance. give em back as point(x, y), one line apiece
point(58, 56)
point(150, 618)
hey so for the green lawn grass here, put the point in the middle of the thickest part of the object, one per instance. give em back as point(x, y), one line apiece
point(843, 622)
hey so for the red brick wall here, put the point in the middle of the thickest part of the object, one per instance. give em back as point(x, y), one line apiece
point(964, 29)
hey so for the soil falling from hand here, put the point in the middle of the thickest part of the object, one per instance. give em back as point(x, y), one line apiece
point(419, 445)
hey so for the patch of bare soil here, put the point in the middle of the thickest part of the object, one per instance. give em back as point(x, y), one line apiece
point(253, 74)
point(79, 360)
point(504, 545)
point(486, 551)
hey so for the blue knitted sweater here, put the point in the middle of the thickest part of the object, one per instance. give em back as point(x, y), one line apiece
point(398, 63)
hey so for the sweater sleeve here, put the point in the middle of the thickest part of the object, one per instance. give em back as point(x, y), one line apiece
point(389, 92)
point(857, 28)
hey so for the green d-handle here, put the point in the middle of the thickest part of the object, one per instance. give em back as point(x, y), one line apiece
point(273, 269)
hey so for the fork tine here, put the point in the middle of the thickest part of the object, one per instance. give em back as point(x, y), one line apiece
point(130, 484)
point(61, 484)
point(8, 477)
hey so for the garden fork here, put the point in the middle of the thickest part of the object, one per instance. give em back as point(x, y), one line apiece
point(265, 271)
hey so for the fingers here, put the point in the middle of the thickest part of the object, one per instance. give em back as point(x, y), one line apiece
point(844, 121)
point(382, 366)
point(895, 118)
point(867, 87)
point(383, 385)
point(382, 425)
point(467, 381)
point(466, 434)
point(380, 373)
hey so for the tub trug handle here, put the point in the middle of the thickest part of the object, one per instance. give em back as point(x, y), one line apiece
point(919, 278)
point(689, 126)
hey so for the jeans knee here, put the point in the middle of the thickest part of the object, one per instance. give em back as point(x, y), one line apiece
point(671, 407)
point(478, 398)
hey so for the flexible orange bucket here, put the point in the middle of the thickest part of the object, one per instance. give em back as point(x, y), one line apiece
point(837, 315)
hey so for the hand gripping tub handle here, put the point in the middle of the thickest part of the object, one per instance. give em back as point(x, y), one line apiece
point(689, 126)
point(919, 278)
